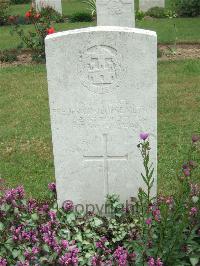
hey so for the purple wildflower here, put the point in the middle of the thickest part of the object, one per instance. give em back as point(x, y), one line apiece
point(195, 138)
point(186, 172)
point(65, 244)
point(159, 262)
point(193, 211)
point(68, 205)
point(151, 262)
point(95, 260)
point(71, 257)
point(144, 135)
point(52, 187)
point(121, 256)
point(3, 262)
point(148, 221)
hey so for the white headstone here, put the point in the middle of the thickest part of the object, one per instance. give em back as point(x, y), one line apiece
point(115, 13)
point(145, 5)
point(102, 84)
point(55, 4)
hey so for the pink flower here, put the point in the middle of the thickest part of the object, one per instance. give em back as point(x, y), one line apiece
point(144, 135)
point(159, 262)
point(186, 172)
point(121, 256)
point(65, 244)
point(148, 221)
point(3, 262)
point(52, 187)
point(68, 205)
point(193, 211)
point(195, 138)
point(151, 262)
point(157, 216)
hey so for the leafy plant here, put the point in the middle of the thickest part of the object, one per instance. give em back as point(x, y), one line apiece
point(4, 9)
point(81, 17)
point(139, 14)
point(34, 39)
point(156, 12)
point(91, 6)
point(19, 2)
point(153, 231)
point(8, 56)
point(187, 8)
point(51, 15)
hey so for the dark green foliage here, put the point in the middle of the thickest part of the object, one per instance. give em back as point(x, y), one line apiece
point(188, 8)
point(153, 231)
point(81, 17)
point(8, 56)
point(50, 14)
point(159, 53)
point(139, 15)
point(156, 12)
point(18, 2)
point(4, 8)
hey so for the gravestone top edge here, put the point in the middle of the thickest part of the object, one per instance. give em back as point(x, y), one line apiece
point(101, 29)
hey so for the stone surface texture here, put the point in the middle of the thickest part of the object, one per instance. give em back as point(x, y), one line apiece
point(55, 4)
point(102, 84)
point(115, 13)
point(145, 5)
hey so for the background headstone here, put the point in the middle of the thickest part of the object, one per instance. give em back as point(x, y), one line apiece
point(145, 5)
point(102, 84)
point(55, 4)
point(115, 13)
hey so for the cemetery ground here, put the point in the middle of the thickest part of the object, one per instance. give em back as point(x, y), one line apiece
point(187, 31)
point(158, 231)
point(25, 146)
point(26, 139)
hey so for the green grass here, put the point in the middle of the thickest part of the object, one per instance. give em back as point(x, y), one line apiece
point(12, 41)
point(25, 140)
point(187, 31)
point(69, 7)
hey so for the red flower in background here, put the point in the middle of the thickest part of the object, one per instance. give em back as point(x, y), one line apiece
point(50, 30)
point(28, 14)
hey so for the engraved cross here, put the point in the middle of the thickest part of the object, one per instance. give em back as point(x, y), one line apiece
point(105, 158)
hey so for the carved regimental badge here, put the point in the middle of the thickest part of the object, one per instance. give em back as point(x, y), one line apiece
point(100, 69)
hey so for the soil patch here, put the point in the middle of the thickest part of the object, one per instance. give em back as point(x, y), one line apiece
point(23, 58)
point(181, 51)
point(168, 52)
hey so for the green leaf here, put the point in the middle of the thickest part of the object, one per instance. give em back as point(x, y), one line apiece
point(34, 217)
point(79, 237)
point(46, 248)
point(97, 222)
point(2, 226)
point(15, 253)
point(71, 217)
point(194, 261)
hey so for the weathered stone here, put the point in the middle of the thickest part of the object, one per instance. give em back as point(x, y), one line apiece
point(145, 5)
point(55, 4)
point(115, 13)
point(102, 85)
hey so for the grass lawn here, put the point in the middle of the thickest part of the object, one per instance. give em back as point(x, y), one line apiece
point(187, 31)
point(8, 41)
point(25, 140)
point(69, 7)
